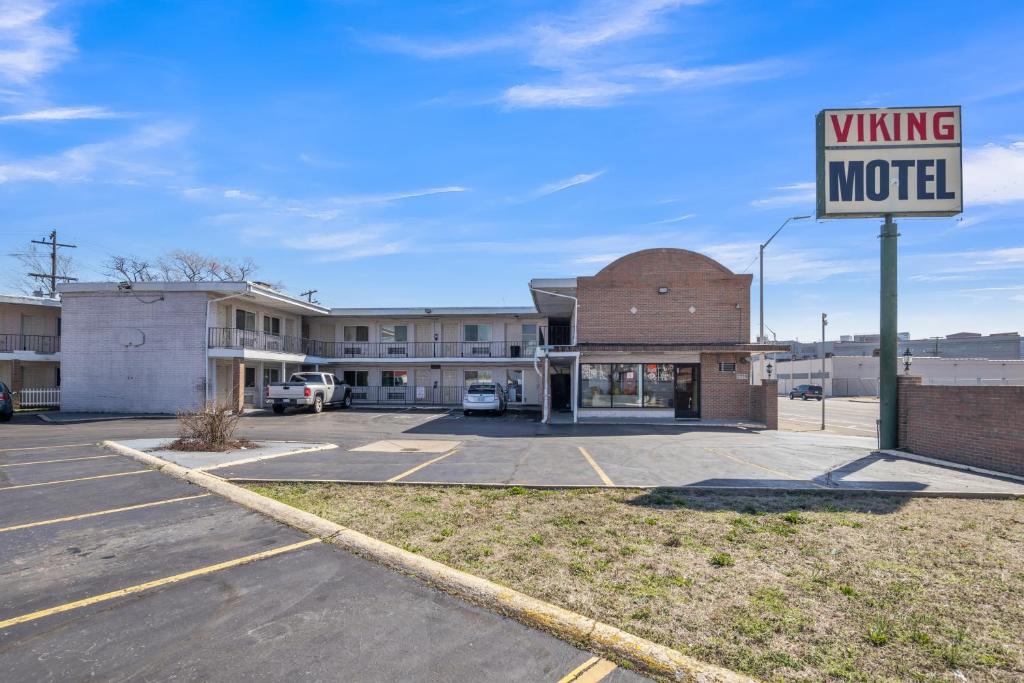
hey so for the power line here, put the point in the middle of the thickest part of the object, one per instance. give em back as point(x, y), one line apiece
point(53, 276)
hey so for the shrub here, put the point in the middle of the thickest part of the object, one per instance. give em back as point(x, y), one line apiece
point(209, 429)
point(722, 560)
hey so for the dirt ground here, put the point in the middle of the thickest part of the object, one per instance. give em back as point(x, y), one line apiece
point(797, 586)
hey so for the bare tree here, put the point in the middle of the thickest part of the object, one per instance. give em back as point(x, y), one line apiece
point(178, 266)
point(129, 268)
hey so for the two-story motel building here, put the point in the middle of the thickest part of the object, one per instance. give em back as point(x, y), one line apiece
point(30, 333)
point(658, 334)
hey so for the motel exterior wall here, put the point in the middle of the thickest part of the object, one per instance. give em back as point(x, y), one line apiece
point(30, 336)
point(126, 352)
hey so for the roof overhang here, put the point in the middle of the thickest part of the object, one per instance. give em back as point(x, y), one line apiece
point(214, 290)
point(554, 297)
point(457, 311)
point(23, 300)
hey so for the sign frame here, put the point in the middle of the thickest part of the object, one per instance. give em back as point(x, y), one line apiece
point(820, 154)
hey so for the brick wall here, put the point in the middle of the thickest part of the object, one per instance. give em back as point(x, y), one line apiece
point(764, 403)
point(105, 368)
point(713, 291)
point(723, 396)
point(971, 425)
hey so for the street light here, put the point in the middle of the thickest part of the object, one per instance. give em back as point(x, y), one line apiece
point(769, 369)
point(824, 322)
point(908, 358)
point(760, 336)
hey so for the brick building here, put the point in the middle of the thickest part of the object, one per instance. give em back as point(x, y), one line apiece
point(657, 334)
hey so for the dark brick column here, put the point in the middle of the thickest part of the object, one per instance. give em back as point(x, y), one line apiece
point(238, 385)
point(770, 399)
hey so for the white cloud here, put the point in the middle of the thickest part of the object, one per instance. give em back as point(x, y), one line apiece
point(559, 185)
point(62, 114)
point(796, 193)
point(590, 56)
point(122, 159)
point(994, 174)
point(677, 219)
point(29, 46)
point(239, 194)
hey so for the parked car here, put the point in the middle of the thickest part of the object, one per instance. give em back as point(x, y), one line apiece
point(312, 390)
point(806, 391)
point(6, 403)
point(485, 396)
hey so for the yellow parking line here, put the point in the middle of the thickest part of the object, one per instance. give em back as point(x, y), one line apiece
point(597, 468)
point(68, 481)
point(590, 671)
point(405, 474)
point(138, 588)
point(44, 462)
point(43, 448)
point(86, 515)
point(766, 469)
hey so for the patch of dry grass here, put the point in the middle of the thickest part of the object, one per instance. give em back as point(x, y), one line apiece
point(782, 587)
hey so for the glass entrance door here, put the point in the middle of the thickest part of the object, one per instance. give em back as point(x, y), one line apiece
point(687, 391)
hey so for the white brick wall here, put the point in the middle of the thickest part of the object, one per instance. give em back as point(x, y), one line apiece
point(167, 373)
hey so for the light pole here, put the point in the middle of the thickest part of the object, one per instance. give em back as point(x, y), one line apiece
point(760, 336)
point(824, 322)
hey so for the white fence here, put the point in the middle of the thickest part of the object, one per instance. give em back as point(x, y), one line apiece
point(39, 398)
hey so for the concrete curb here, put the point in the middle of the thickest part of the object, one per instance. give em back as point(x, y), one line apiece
point(104, 418)
point(575, 628)
point(733, 490)
point(906, 455)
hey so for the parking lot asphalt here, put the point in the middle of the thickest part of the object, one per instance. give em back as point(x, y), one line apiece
point(112, 571)
point(852, 416)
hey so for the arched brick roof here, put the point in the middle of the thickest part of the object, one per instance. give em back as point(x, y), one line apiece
point(663, 259)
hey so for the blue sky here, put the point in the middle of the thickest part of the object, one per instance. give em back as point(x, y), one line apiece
point(412, 153)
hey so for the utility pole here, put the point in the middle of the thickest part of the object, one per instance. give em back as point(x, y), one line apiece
point(309, 294)
point(824, 322)
point(888, 348)
point(53, 276)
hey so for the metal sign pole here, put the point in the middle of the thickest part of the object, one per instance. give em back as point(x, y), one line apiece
point(888, 349)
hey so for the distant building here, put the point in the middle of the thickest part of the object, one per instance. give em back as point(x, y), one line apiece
point(998, 346)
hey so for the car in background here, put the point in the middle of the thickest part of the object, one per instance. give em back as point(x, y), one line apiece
point(806, 391)
point(6, 403)
point(484, 396)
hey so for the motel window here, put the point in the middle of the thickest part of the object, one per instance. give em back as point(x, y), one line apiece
point(271, 375)
point(514, 387)
point(476, 376)
point(250, 378)
point(357, 333)
point(357, 378)
point(394, 378)
point(394, 333)
point(245, 320)
point(659, 385)
point(727, 367)
point(476, 333)
point(271, 325)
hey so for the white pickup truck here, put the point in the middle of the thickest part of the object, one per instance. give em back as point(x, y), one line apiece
point(312, 390)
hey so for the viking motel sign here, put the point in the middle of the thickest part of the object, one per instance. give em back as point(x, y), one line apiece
point(897, 162)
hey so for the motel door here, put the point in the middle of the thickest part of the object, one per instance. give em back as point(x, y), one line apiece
point(687, 394)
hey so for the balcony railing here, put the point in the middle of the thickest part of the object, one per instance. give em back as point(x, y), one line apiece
point(222, 337)
point(29, 342)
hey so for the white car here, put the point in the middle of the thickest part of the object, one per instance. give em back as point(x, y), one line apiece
point(312, 390)
point(484, 396)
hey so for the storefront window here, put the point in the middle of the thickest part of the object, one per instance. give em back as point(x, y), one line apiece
point(626, 385)
point(659, 388)
point(595, 385)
